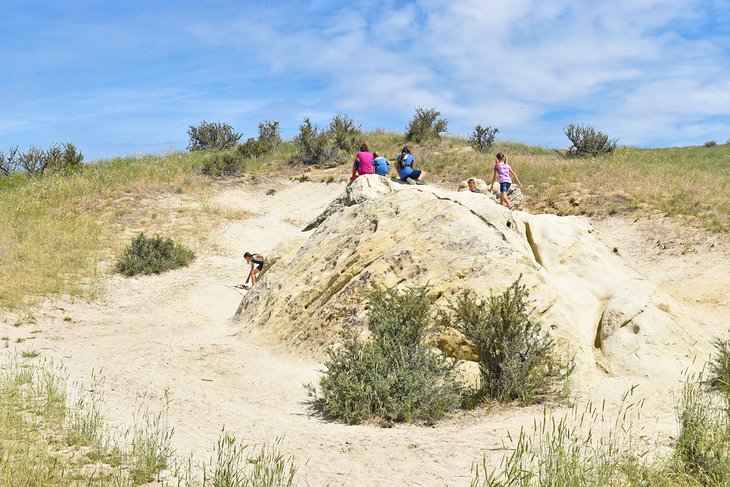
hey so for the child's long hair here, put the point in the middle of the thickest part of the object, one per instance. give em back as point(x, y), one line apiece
point(501, 157)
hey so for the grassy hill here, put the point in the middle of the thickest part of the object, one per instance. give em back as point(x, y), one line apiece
point(57, 229)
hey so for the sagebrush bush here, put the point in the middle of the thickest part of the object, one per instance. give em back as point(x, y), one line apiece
point(269, 134)
point(394, 376)
point(587, 141)
point(315, 146)
point(346, 132)
point(425, 125)
point(8, 161)
point(516, 360)
point(226, 163)
point(153, 255)
point(482, 138)
point(57, 158)
point(252, 149)
point(212, 136)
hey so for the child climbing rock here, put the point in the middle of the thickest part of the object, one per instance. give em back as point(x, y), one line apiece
point(504, 172)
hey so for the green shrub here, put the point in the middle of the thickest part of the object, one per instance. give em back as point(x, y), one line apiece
point(710, 143)
point(153, 256)
point(269, 134)
point(587, 141)
point(394, 376)
point(9, 161)
point(252, 149)
point(315, 146)
point(225, 163)
point(425, 125)
point(63, 158)
point(516, 361)
point(346, 132)
point(483, 138)
point(212, 136)
point(57, 158)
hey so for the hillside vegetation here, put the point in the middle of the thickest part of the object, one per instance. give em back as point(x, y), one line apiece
point(57, 228)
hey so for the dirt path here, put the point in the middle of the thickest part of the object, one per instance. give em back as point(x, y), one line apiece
point(173, 332)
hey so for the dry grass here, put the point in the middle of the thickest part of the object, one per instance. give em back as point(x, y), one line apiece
point(57, 229)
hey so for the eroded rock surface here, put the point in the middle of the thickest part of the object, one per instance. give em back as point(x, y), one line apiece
point(380, 233)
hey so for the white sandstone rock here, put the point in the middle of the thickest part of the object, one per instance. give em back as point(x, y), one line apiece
point(381, 233)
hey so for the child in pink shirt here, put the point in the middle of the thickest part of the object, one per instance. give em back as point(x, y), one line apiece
point(363, 163)
point(503, 170)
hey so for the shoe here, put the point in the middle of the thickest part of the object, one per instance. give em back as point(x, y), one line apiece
point(421, 183)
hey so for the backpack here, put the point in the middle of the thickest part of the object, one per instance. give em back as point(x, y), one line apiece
point(403, 160)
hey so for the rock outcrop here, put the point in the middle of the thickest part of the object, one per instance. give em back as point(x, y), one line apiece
point(379, 233)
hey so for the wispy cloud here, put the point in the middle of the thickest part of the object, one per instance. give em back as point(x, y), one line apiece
point(651, 72)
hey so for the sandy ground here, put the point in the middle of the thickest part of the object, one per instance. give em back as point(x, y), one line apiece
point(174, 333)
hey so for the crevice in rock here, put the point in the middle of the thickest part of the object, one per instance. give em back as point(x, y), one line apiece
point(533, 245)
point(490, 224)
point(598, 341)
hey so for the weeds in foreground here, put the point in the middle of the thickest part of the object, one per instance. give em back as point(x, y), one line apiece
point(238, 464)
point(719, 368)
point(47, 438)
point(583, 448)
point(703, 445)
point(151, 436)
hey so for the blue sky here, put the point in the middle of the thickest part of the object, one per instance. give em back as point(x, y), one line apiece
point(120, 78)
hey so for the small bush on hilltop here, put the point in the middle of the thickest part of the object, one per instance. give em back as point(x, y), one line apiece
point(483, 138)
point(57, 158)
point(315, 146)
point(394, 376)
point(425, 125)
point(516, 361)
point(587, 141)
point(9, 162)
point(269, 135)
point(153, 256)
point(346, 132)
point(710, 143)
point(212, 136)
